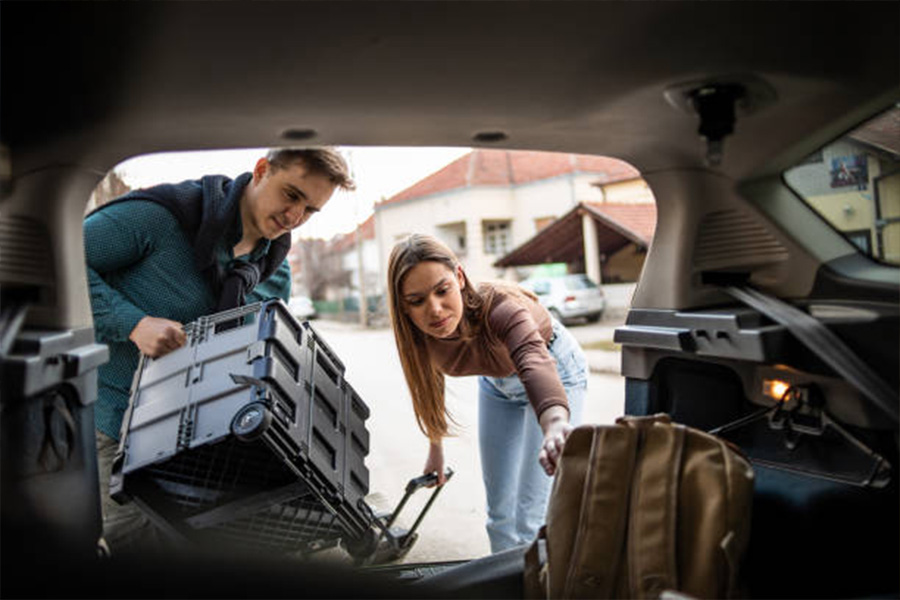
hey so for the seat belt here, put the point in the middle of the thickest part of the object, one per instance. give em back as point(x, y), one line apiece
point(825, 344)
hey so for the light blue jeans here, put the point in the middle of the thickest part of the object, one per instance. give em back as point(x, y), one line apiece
point(510, 437)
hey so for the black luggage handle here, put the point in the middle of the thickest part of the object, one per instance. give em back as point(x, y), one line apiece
point(400, 544)
point(426, 480)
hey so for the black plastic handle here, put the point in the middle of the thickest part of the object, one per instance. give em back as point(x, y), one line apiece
point(426, 480)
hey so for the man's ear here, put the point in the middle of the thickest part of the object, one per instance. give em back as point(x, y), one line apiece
point(460, 277)
point(259, 171)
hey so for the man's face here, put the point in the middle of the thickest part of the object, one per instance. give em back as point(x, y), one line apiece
point(282, 199)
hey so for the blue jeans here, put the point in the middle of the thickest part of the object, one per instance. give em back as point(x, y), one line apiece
point(510, 437)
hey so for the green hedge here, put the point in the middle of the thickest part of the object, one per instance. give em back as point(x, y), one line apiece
point(351, 304)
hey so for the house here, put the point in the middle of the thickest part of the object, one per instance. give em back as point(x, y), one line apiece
point(329, 272)
point(488, 202)
point(852, 182)
point(606, 240)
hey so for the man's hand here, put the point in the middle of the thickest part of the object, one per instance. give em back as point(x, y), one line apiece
point(157, 337)
point(435, 462)
point(556, 427)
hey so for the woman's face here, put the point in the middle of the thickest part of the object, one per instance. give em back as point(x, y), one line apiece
point(431, 294)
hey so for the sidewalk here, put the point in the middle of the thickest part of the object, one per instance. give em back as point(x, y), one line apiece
point(601, 361)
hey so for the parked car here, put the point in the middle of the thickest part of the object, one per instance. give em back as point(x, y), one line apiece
point(570, 297)
point(713, 102)
point(302, 307)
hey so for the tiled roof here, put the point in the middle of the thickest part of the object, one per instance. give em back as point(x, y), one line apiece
point(345, 241)
point(510, 167)
point(882, 132)
point(562, 240)
point(638, 218)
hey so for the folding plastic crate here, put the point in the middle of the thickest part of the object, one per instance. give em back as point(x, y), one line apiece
point(248, 434)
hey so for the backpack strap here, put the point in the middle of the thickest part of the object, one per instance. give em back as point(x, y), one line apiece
point(603, 517)
point(654, 499)
point(535, 567)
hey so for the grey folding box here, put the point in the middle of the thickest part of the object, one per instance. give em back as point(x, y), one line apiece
point(248, 434)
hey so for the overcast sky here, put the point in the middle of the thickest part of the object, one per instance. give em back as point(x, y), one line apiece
point(379, 173)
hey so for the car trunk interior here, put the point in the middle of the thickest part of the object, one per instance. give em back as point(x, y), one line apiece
point(87, 85)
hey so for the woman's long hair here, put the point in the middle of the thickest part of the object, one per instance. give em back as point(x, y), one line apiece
point(426, 383)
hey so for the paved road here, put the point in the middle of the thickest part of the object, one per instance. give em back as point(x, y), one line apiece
point(454, 527)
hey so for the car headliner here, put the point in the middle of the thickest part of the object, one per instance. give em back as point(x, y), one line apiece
point(91, 84)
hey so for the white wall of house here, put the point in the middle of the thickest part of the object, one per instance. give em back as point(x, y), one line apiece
point(632, 191)
point(468, 212)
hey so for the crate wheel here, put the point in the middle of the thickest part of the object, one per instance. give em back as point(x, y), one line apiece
point(251, 421)
point(362, 547)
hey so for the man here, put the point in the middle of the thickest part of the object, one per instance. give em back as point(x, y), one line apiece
point(164, 256)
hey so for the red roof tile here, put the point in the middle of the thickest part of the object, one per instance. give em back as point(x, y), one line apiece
point(639, 218)
point(345, 241)
point(882, 132)
point(511, 167)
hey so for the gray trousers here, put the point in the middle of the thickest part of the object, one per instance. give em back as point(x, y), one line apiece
point(126, 528)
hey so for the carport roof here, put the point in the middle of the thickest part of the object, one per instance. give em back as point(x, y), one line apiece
point(562, 241)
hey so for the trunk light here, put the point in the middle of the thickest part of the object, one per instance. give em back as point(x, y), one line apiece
point(775, 388)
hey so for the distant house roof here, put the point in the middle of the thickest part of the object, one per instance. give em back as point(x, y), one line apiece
point(346, 241)
point(638, 219)
point(881, 132)
point(511, 167)
point(562, 240)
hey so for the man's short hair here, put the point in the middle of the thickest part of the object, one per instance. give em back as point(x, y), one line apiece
point(323, 160)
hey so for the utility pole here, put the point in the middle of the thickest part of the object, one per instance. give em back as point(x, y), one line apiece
point(363, 305)
point(360, 267)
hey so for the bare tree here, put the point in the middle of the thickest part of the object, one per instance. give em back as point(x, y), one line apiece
point(112, 186)
point(309, 267)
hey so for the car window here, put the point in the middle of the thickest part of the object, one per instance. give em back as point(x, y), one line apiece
point(854, 183)
point(579, 283)
point(541, 288)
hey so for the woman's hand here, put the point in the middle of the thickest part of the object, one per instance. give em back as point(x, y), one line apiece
point(157, 337)
point(435, 462)
point(556, 427)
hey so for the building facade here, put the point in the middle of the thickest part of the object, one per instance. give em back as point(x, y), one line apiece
point(488, 202)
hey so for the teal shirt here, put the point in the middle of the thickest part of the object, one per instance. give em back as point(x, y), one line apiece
point(141, 263)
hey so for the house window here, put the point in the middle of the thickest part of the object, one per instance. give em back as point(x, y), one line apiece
point(497, 237)
point(454, 235)
point(862, 238)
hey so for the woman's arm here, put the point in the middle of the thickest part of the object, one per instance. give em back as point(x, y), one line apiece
point(435, 462)
point(515, 326)
point(556, 427)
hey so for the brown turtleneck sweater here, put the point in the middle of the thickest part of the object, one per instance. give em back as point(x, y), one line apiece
point(521, 328)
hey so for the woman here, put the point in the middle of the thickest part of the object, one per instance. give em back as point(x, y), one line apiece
point(443, 325)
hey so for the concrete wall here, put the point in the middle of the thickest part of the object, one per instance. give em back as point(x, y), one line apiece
point(624, 265)
point(633, 191)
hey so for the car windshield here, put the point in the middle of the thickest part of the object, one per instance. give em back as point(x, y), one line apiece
point(854, 184)
point(580, 282)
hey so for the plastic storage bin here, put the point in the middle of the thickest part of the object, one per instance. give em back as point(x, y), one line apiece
point(248, 434)
point(48, 472)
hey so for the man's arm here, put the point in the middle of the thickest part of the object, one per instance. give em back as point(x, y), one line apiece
point(114, 240)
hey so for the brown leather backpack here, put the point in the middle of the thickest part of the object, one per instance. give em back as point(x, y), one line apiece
point(641, 507)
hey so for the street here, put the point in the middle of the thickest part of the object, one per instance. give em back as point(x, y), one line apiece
point(454, 526)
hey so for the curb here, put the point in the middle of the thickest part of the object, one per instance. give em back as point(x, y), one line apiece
point(604, 370)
